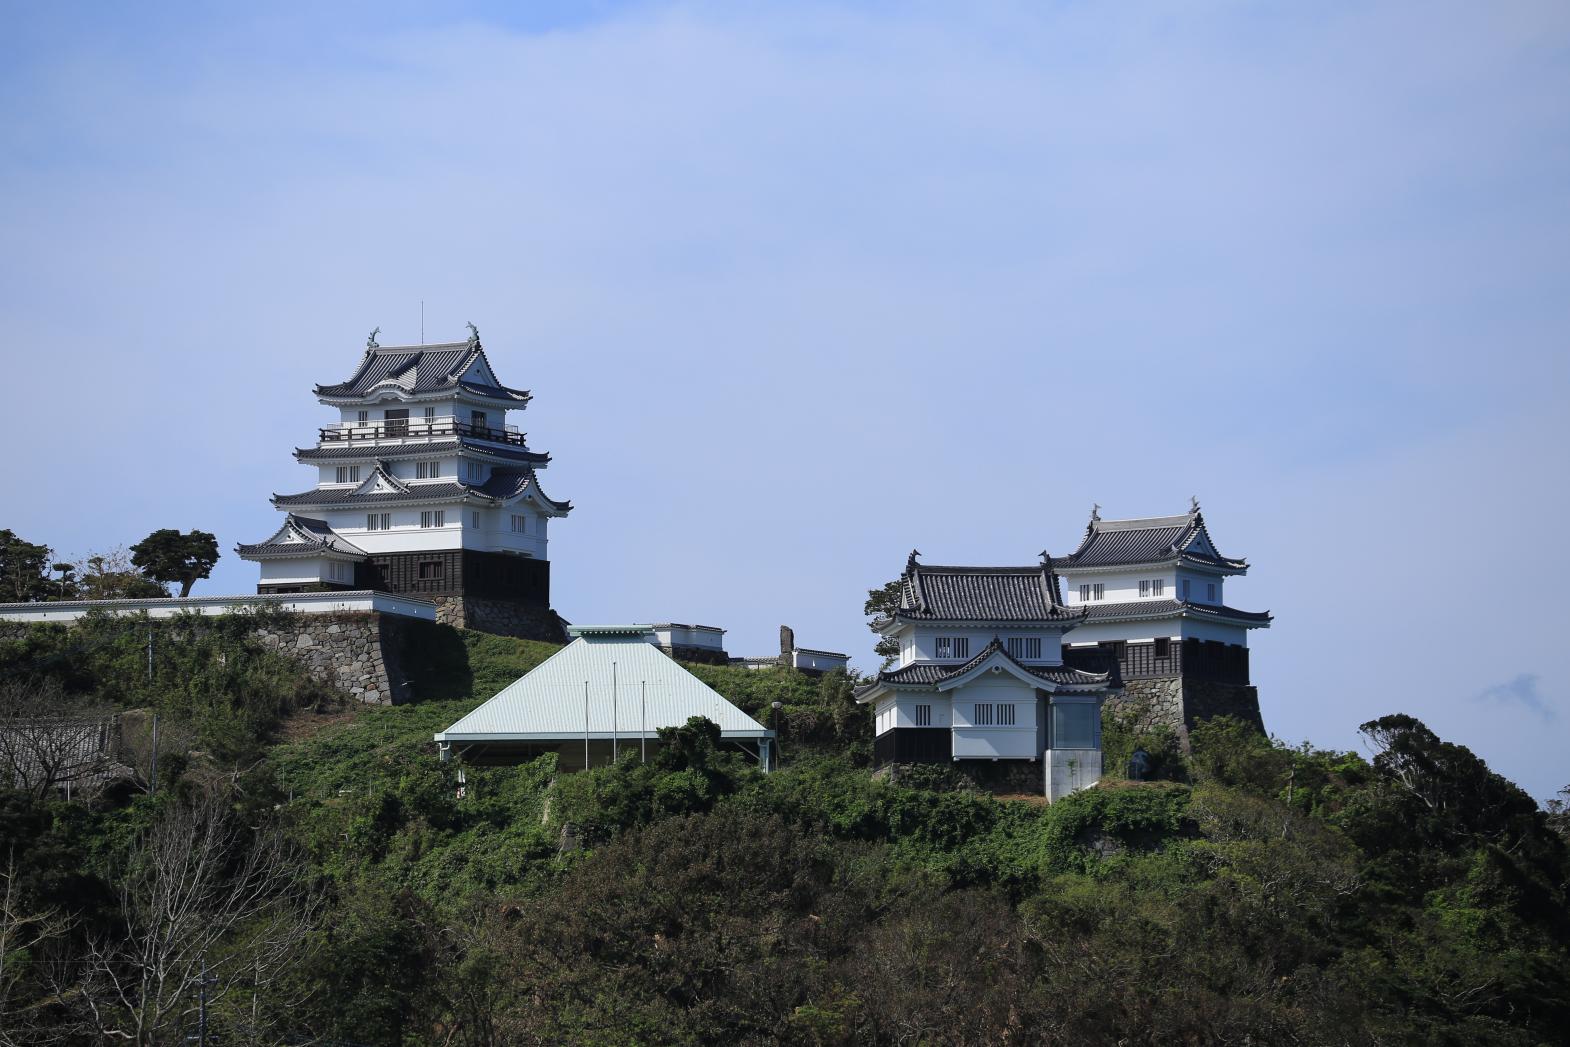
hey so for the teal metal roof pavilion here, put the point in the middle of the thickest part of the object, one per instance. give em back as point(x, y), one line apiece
point(609, 686)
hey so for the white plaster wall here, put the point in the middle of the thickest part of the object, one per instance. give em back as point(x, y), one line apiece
point(972, 741)
point(900, 711)
point(406, 534)
point(813, 660)
point(1175, 628)
point(1120, 588)
point(1198, 583)
point(293, 572)
point(926, 636)
point(673, 635)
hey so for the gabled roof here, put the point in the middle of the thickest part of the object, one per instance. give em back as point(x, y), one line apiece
point(650, 691)
point(980, 594)
point(504, 487)
point(942, 677)
point(414, 370)
point(1149, 540)
point(1145, 610)
point(345, 451)
point(301, 536)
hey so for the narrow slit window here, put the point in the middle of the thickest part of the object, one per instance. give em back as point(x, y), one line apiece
point(1005, 715)
point(923, 716)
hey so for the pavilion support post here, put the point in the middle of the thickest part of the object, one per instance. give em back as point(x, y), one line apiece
point(445, 749)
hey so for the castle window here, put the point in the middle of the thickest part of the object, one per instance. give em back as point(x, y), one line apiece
point(1185, 590)
point(983, 715)
point(432, 569)
point(433, 518)
point(1024, 646)
point(1158, 586)
point(362, 416)
point(348, 474)
point(962, 647)
point(1210, 591)
point(427, 470)
point(1005, 716)
point(430, 414)
point(923, 716)
point(520, 524)
point(1084, 593)
point(1098, 591)
point(378, 521)
point(1144, 588)
point(1163, 647)
point(474, 520)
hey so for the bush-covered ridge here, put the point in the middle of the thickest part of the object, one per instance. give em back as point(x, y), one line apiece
point(1261, 893)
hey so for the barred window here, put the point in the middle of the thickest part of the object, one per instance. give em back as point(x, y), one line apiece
point(983, 715)
point(1158, 586)
point(923, 716)
point(1005, 716)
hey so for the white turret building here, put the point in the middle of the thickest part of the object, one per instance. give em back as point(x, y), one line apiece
point(980, 675)
point(1153, 595)
point(423, 486)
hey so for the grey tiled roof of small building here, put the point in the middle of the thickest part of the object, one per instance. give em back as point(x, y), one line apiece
point(1161, 539)
point(981, 594)
point(1149, 609)
point(420, 369)
point(388, 452)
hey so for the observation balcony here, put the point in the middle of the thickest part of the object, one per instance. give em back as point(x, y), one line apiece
point(420, 429)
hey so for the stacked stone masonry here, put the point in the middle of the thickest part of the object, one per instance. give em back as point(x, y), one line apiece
point(502, 617)
point(1177, 703)
point(353, 653)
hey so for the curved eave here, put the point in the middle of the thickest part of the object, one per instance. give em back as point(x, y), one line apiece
point(401, 452)
point(1199, 613)
point(466, 497)
point(339, 398)
point(1225, 567)
point(295, 552)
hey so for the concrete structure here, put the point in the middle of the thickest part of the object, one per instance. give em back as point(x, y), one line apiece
point(1152, 591)
point(604, 696)
point(424, 487)
point(980, 675)
point(689, 643)
point(804, 659)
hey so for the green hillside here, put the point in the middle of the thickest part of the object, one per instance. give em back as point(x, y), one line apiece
point(1259, 893)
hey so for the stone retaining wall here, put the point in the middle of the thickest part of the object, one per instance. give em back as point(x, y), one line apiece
point(349, 652)
point(502, 617)
point(1177, 703)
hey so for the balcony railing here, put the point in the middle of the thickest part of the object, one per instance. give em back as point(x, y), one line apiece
point(419, 428)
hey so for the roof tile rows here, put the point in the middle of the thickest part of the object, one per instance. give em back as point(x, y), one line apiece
point(344, 451)
point(417, 369)
point(1161, 539)
point(982, 594)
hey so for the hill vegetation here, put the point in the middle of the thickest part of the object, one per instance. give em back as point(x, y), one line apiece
point(337, 884)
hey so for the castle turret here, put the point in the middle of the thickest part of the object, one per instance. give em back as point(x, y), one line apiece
point(1152, 591)
point(422, 486)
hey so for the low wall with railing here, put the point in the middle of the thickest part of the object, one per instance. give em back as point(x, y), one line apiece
point(358, 601)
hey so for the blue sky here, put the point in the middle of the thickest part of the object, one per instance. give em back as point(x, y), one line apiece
point(801, 287)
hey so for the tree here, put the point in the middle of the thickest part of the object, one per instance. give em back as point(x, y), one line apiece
point(24, 569)
point(111, 576)
point(168, 556)
point(49, 742)
point(203, 897)
point(881, 604)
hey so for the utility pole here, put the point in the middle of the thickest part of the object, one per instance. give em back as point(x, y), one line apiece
point(149, 654)
point(152, 771)
point(200, 1039)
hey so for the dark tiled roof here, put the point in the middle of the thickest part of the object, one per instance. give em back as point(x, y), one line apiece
point(345, 451)
point(932, 673)
point(981, 594)
point(417, 369)
point(1159, 539)
point(308, 535)
point(1146, 609)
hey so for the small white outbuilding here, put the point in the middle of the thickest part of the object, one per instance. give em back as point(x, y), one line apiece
point(602, 697)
